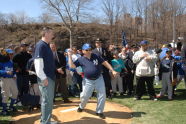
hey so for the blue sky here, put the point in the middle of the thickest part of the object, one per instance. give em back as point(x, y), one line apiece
point(33, 8)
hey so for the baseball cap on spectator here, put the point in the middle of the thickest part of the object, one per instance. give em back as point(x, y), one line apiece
point(9, 51)
point(144, 42)
point(66, 50)
point(98, 40)
point(23, 44)
point(134, 46)
point(86, 46)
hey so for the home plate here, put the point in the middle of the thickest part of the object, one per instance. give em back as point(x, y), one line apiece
point(68, 110)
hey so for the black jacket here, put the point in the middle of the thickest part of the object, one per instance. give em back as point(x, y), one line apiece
point(60, 64)
point(21, 60)
point(105, 55)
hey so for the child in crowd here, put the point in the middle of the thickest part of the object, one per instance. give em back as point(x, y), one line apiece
point(8, 83)
point(166, 67)
point(117, 64)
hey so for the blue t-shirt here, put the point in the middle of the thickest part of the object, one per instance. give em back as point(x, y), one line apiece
point(179, 65)
point(91, 67)
point(117, 64)
point(4, 67)
point(43, 51)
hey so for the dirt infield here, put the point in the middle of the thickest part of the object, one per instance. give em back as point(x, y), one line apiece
point(66, 113)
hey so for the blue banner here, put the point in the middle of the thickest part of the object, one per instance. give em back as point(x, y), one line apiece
point(124, 40)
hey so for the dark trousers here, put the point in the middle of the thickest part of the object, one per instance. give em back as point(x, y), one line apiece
point(22, 84)
point(61, 87)
point(77, 79)
point(107, 80)
point(0, 97)
point(73, 88)
point(140, 86)
point(128, 83)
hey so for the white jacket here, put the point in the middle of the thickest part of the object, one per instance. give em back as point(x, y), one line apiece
point(144, 67)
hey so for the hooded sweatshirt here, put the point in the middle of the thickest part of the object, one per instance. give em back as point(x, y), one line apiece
point(144, 67)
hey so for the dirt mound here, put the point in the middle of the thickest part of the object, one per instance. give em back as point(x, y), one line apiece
point(65, 113)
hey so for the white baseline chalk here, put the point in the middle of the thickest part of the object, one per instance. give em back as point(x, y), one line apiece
point(68, 110)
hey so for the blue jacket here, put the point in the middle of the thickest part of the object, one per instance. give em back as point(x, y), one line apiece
point(6, 66)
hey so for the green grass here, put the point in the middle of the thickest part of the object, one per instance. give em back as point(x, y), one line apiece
point(146, 111)
point(157, 112)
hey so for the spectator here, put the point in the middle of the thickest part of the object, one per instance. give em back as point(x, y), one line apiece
point(8, 83)
point(76, 86)
point(166, 66)
point(145, 60)
point(21, 60)
point(118, 65)
point(183, 54)
point(34, 87)
point(60, 82)
point(102, 52)
point(45, 69)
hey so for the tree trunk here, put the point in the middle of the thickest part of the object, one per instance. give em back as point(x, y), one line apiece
point(70, 31)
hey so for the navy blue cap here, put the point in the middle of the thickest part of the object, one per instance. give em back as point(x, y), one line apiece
point(9, 51)
point(24, 44)
point(98, 40)
point(86, 46)
point(144, 42)
point(66, 50)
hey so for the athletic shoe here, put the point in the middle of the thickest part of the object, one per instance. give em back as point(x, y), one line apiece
point(54, 122)
point(153, 98)
point(67, 101)
point(101, 115)
point(13, 109)
point(159, 96)
point(137, 98)
point(79, 109)
point(19, 104)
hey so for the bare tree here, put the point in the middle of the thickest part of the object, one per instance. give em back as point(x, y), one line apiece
point(45, 18)
point(12, 18)
point(3, 19)
point(113, 10)
point(22, 17)
point(69, 12)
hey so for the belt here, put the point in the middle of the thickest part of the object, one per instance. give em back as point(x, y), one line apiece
point(93, 78)
point(7, 77)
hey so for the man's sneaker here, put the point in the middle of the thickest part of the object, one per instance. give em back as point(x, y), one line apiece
point(101, 115)
point(137, 98)
point(19, 104)
point(121, 94)
point(79, 109)
point(13, 109)
point(53, 122)
point(153, 98)
point(159, 96)
point(67, 101)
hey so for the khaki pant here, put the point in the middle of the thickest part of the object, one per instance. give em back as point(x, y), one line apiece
point(117, 81)
point(8, 89)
